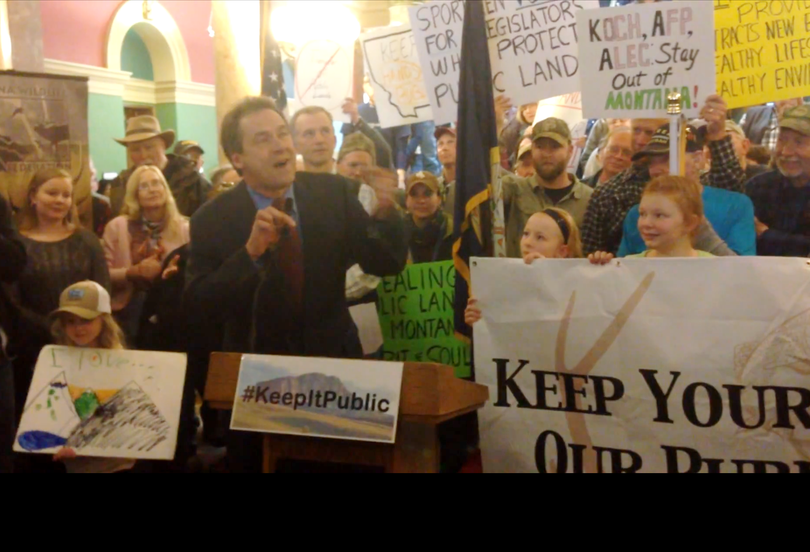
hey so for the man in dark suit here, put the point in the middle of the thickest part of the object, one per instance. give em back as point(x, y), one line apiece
point(12, 263)
point(270, 256)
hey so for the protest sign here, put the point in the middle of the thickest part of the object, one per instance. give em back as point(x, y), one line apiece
point(396, 75)
point(762, 51)
point(638, 366)
point(631, 58)
point(318, 397)
point(324, 71)
point(416, 315)
point(568, 108)
point(533, 47)
point(437, 28)
point(104, 403)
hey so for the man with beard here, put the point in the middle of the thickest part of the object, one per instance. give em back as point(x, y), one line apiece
point(551, 186)
point(782, 197)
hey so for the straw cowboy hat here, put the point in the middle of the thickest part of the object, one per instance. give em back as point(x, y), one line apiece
point(143, 128)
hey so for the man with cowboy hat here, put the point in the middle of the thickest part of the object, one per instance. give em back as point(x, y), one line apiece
point(146, 145)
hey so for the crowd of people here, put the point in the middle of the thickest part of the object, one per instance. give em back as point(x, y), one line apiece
point(275, 253)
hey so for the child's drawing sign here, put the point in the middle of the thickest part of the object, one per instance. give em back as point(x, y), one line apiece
point(323, 75)
point(103, 403)
point(396, 75)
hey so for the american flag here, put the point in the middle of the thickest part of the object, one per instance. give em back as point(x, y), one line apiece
point(272, 72)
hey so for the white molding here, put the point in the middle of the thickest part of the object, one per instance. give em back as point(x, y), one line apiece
point(160, 34)
point(139, 91)
point(101, 80)
point(121, 84)
point(185, 92)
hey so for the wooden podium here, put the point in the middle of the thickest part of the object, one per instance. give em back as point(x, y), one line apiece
point(431, 394)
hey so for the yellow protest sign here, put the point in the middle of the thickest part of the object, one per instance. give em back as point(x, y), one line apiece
point(762, 50)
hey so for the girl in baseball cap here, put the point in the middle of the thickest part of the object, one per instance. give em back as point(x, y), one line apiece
point(84, 318)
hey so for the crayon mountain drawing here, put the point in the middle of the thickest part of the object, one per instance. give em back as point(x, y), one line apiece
point(60, 415)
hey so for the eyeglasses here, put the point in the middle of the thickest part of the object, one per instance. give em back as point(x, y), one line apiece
point(153, 185)
point(616, 150)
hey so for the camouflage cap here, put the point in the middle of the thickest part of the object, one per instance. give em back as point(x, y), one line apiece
point(659, 145)
point(424, 177)
point(357, 141)
point(798, 119)
point(554, 129)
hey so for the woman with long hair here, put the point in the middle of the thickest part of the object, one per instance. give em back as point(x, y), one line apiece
point(137, 242)
point(60, 253)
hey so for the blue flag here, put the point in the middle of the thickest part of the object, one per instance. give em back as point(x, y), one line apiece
point(478, 158)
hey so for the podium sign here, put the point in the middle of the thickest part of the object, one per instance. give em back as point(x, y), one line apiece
point(327, 398)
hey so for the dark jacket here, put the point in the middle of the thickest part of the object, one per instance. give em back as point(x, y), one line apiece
point(337, 233)
point(785, 210)
point(189, 188)
point(433, 243)
point(12, 263)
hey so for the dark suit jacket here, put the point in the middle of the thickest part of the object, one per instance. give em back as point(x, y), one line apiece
point(12, 263)
point(337, 233)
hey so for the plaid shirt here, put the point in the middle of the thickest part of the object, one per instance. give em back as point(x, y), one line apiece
point(610, 203)
point(785, 210)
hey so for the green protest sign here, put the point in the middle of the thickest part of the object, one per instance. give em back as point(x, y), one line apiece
point(416, 315)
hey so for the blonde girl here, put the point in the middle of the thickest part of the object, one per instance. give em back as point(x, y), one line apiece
point(549, 234)
point(84, 320)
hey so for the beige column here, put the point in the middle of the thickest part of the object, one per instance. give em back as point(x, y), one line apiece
point(25, 30)
point(5, 38)
point(237, 53)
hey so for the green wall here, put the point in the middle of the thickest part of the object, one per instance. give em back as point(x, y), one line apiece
point(135, 57)
point(106, 122)
point(193, 122)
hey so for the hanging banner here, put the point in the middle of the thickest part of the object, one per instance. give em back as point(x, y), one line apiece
point(43, 125)
point(533, 47)
point(567, 107)
point(633, 57)
point(396, 75)
point(762, 51)
point(437, 28)
point(639, 366)
point(416, 316)
point(324, 71)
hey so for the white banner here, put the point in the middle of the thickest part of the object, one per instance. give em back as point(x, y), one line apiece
point(437, 28)
point(668, 365)
point(396, 75)
point(633, 57)
point(533, 47)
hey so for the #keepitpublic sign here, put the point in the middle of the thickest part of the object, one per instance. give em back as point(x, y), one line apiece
point(631, 58)
point(396, 76)
point(336, 399)
point(533, 47)
point(639, 366)
point(437, 27)
point(762, 50)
